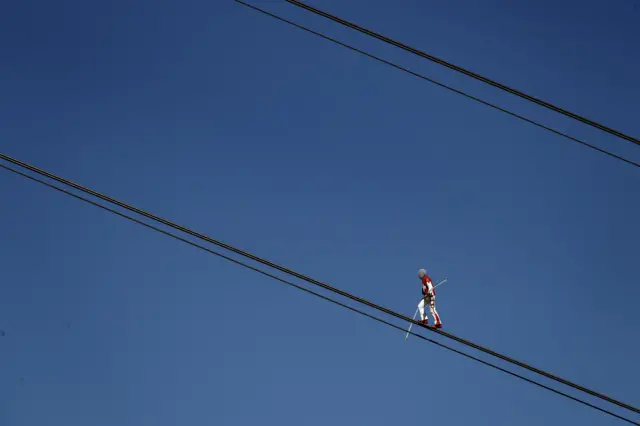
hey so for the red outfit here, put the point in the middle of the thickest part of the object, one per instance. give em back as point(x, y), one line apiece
point(429, 297)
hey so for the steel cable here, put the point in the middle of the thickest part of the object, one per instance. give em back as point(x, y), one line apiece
point(308, 279)
point(174, 236)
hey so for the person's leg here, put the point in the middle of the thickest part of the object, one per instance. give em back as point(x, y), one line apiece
point(423, 316)
point(434, 312)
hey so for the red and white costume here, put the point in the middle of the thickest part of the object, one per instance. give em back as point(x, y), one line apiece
point(429, 296)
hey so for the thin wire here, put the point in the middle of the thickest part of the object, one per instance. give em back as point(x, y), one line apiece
point(465, 72)
point(437, 83)
point(237, 262)
point(306, 278)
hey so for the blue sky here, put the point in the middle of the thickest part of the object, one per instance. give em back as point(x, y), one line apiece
point(248, 130)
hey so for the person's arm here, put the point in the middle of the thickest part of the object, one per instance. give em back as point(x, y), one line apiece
point(427, 285)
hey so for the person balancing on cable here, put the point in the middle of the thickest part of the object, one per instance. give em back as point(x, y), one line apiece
point(428, 296)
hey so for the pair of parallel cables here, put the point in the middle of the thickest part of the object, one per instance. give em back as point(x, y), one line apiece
point(457, 69)
point(69, 184)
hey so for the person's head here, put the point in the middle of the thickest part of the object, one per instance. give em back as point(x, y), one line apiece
point(422, 273)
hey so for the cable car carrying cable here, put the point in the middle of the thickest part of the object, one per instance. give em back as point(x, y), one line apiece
point(444, 86)
point(302, 277)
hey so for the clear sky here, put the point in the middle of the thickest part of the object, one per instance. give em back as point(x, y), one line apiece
point(255, 133)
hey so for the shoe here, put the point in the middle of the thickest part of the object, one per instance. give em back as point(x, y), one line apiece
point(425, 321)
point(438, 325)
